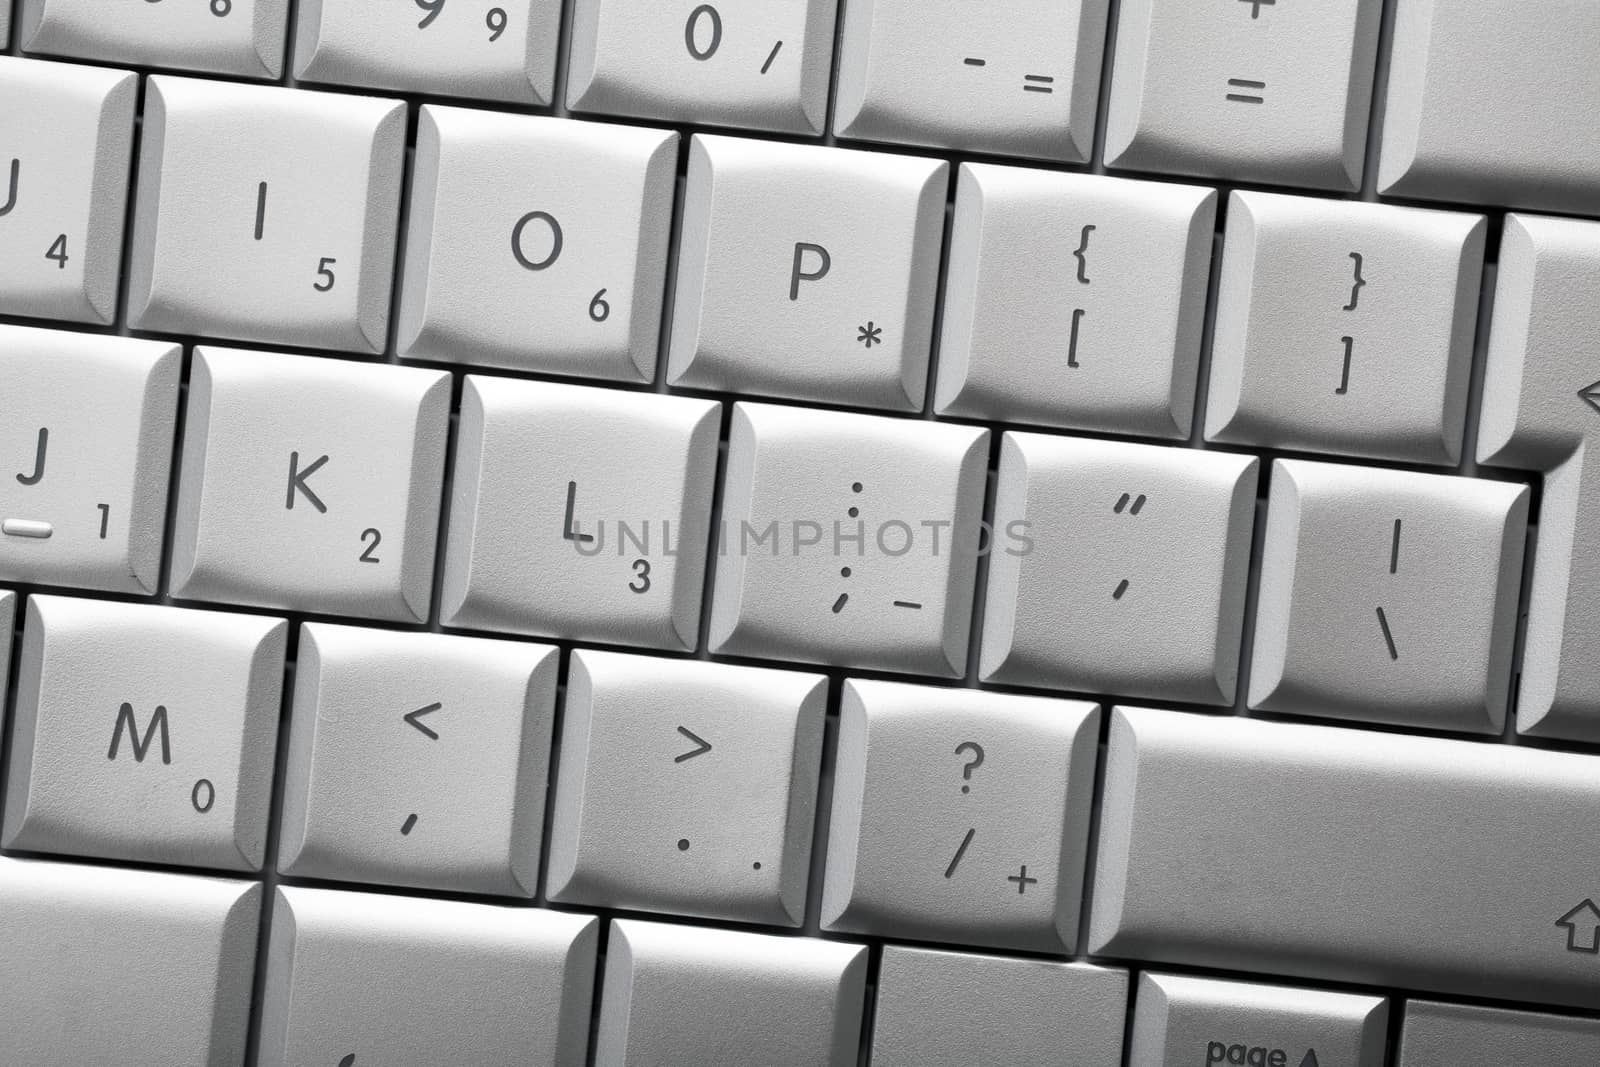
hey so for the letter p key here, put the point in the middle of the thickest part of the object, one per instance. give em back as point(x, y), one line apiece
point(799, 273)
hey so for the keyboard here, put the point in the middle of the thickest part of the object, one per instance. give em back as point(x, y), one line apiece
point(887, 533)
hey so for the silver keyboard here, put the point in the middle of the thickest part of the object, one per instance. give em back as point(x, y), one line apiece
point(821, 533)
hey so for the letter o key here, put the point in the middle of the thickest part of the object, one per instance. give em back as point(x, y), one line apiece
point(555, 239)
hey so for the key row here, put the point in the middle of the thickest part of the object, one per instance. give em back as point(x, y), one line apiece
point(353, 978)
point(690, 788)
point(853, 540)
point(1341, 327)
point(1403, 924)
point(1254, 91)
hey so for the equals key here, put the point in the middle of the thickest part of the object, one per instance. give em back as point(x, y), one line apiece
point(1037, 83)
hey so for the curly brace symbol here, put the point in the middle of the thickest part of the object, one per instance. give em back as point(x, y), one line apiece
point(1079, 255)
point(1360, 283)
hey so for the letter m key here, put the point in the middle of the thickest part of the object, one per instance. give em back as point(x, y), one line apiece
point(140, 746)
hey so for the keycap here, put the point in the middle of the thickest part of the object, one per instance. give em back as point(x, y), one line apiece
point(1388, 596)
point(1462, 866)
point(502, 50)
point(144, 733)
point(848, 539)
point(1445, 1035)
point(124, 968)
point(807, 272)
point(1182, 1020)
point(1074, 300)
point(716, 998)
point(1253, 90)
point(86, 428)
point(960, 816)
point(1541, 412)
point(1019, 77)
point(537, 243)
point(1491, 105)
point(237, 37)
point(417, 760)
point(5, 24)
point(758, 66)
point(580, 513)
point(686, 787)
point(1345, 327)
point(63, 188)
point(363, 978)
point(1121, 570)
point(295, 242)
point(948, 1009)
point(310, 484)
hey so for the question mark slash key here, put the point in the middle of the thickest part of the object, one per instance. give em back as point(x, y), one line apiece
point(960, 816)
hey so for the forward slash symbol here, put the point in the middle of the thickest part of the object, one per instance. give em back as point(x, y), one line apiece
point(961, 851)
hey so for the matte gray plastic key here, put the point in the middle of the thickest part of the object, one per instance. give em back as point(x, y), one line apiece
point(1461, 867)
point(63, 187)
point(1489, 105)
point(362, 978)
point(124, 968)
point(86, 425)
point(418, 760)
point(948, 1009)
point(243, 38)
point(1541, 412)
point(1434, 1034)
point(686, 787)
point(716, 998)
point(1184, 1021)
point(144, 733)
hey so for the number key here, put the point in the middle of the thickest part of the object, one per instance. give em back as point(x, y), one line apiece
point(311, 484)
point(292, 241)
point(484, 49)
point(537, 243)
point(757, 66)
point(580, 513)
point(236, 37)
point(63, 184)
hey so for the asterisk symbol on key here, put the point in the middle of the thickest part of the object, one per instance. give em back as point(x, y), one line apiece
point(870, 334)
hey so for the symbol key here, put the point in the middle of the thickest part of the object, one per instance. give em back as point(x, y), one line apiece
point(929, 844)
point(144, 733)
point(371, 761)
point(686, 787)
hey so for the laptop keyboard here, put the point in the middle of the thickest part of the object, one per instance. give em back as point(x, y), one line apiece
point(882, 534)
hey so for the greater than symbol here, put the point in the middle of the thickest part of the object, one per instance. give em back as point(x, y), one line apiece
point(870, 334)
point(411, 821)
point(1388, 638)
point(1246, 98)
point(1122, 587)
point(1022, 880)
point(773, 55)
point(960, 851)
